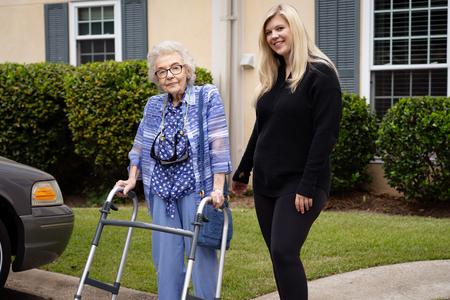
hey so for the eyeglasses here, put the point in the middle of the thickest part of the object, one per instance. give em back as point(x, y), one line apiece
point(178, 134)
point(175, 70)
point(175, 158)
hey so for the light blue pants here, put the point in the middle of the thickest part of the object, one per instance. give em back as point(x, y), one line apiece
point(168, 252)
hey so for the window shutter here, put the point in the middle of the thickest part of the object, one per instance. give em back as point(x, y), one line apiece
point(134, 29)
point(56, 32)
point(337, 35)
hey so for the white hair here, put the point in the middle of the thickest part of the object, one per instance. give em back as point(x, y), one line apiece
point(169, 47)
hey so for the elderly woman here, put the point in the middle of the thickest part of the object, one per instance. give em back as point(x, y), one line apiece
point(165, 154)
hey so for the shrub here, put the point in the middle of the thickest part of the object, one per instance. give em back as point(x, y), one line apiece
point(202, 76)
point(33, 127)
point(104, 105)
point(356, 144)
point(414, 140)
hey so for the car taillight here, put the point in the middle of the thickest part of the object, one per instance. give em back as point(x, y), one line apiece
point(46, 193)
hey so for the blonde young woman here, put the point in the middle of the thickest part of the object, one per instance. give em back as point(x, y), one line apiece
point(297, 120)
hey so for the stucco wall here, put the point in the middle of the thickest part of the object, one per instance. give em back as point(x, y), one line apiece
point(22, 28)
point(22, 31)
point(188, 22)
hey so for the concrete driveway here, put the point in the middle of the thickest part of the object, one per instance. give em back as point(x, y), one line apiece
point(422, 280)
point(42, 285)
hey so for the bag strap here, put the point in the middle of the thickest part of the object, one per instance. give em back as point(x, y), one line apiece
point(201, 141)
point(201, 145)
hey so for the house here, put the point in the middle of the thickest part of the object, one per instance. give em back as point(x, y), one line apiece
point(383, 49)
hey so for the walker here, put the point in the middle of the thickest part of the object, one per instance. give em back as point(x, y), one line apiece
point(114, 288)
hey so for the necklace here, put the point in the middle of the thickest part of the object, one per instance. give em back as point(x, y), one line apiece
point(181, 132)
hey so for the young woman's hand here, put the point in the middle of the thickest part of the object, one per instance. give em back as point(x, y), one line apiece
point(127, 186)
point(238, 188)
point(303, 203)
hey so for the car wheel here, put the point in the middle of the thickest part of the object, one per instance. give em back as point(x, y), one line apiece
point(5, 254)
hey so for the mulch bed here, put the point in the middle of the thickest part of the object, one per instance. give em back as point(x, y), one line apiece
point(364, 201)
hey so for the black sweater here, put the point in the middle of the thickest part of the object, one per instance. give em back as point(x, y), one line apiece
point(294, 133)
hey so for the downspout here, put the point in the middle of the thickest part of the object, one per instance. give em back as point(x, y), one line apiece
point(226, 69)
point(228, 19)
point(232, 87)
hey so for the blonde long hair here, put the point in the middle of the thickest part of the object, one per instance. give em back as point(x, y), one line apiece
point(303, 51)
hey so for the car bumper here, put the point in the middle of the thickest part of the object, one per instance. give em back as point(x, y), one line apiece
point(46, 233)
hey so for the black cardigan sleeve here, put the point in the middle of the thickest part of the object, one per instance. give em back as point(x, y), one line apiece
point(327, 105)
point(245, 167)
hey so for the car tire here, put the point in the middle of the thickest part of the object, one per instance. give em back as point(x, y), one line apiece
point(5, 254)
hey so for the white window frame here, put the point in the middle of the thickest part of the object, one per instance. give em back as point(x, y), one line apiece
point(73, 28)
point(367, 66)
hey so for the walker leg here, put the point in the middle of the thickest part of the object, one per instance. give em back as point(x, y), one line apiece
point(222, 254)
point(98, 232)
point(123, 259)
point(220, 273)
point(187, 278)
point(191, 257)
point(85, 272)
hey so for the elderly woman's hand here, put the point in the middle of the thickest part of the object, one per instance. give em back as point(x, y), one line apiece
point(127, 186)
point(217, 198)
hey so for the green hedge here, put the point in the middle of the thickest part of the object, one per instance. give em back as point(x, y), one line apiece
point(33, 127)
point(414, 142)
point(356, 144)
point(104, 105)
point(81, 121)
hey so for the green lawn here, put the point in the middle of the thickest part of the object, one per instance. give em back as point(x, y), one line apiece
point(338, 242)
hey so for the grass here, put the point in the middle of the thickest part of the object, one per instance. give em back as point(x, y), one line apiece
point(338, 242)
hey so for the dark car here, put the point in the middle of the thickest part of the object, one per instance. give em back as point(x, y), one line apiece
point(35, 225)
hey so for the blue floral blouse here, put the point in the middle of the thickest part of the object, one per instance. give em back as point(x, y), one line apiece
point(174, 181)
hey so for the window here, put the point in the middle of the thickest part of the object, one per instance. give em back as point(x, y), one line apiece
point(409, 50)
point(95, 32)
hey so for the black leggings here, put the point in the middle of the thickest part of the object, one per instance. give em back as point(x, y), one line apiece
point(284, 231)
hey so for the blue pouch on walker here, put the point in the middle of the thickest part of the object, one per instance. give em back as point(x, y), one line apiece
point(212, 228)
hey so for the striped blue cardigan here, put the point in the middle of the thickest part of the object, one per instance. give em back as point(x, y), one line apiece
point(216, 143)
